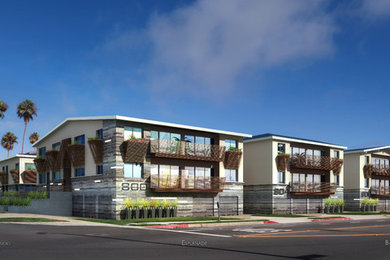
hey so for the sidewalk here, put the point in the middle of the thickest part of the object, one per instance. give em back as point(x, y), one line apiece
point(72, 221)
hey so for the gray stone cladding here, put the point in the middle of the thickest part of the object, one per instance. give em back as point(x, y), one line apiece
point(263, 199)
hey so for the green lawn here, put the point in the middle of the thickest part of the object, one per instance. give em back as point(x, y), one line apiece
point(30, 220)
point(363, 213)
point(280, 215)
point(182, 220)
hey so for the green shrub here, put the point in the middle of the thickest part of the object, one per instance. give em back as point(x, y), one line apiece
point(36, 195)
point(174, 203)
point(10, 194)
point(328, 202)
point(234, 149)
point(365, 201)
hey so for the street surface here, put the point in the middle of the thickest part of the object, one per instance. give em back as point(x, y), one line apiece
point(363, 239)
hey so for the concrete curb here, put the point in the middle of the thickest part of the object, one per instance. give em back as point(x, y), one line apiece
point(213, 224)
point(329, 219)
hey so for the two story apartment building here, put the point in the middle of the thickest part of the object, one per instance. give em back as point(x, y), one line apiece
point(103, 160)
point(17, 170)
point(367, 175)
point(290, 175)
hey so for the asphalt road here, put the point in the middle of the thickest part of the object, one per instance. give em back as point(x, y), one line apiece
point(321, 240)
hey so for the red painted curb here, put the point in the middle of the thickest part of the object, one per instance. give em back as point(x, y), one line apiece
point(329, 219)
point(270, 222)
point(171, 226)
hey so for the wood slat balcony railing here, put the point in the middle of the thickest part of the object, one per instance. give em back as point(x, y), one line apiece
point(324, 188)
point(186, 184)
point(381, 170)
point(186, 150)
point(302, 161)
point(382, 191)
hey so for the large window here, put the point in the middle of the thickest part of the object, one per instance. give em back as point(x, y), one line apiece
point(99, 169)
point(132, 132)
point(56, 175)
point(380, 187)
point(337, 179)
point(42, 152)
point(281, 177)
point(79, 172)
point(99, 133)
point(306, 182)
point(42, 178)
point(29, 166)
point(132, 170)
point(168, 176)
point(281, 148)
point(167, 142)
point(230, 144)
point(336, 154)
point(366, 183)
point(80, 139)
point(56, 146)
point(380, 163)
point(231, 175)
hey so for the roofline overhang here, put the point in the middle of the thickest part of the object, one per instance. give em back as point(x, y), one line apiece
point(363, 151)
point(19, 156)
point(138, 120)
point(295, 140)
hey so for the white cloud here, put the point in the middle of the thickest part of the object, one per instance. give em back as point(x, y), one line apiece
point(206, 46)
point(375, 9)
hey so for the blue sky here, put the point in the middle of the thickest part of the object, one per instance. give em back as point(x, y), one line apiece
point(310, 69)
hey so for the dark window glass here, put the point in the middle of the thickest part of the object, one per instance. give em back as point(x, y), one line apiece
point(100, 133)
point(80, 139)
point(79, 172)
point(56, 146)
point(42, 152)
point(100, 169)
point(281, 148)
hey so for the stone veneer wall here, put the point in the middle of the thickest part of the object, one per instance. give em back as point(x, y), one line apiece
point(261, 199)
point(353, 199)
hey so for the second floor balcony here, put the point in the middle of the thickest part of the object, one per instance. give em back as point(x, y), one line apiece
point(380, 191)
point(186, 150)
point(381, 170)
point(302, 161)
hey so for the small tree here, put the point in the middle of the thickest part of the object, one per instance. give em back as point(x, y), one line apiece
point(3, 108)
point(26, 110)
point(8, 141)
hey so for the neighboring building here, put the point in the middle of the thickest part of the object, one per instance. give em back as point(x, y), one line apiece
point(367, 174)
point(16, 170)
point(137, 158)
point(290, 175)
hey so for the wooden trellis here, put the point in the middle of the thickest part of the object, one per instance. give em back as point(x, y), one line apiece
point(135, 150)
point(232, 159)
point(77, 154)
point(15, 176)
point(3, 178)
point(41, 165)
point(96, 147)
point(29, 177)
point(282, 162)
point(51, 157)
point(367, 170)
point(337, 165)
point(63, 160)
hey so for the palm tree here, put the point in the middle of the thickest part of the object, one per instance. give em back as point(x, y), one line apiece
point(3, 108)
point(34, 137)
point(26, 110)
point(8, 141)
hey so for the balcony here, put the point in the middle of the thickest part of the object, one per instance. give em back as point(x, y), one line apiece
point(301, 161)
point(186, 184)
point(186, 150)
point(318, 189)
point(380, 170)
point(382, 191)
